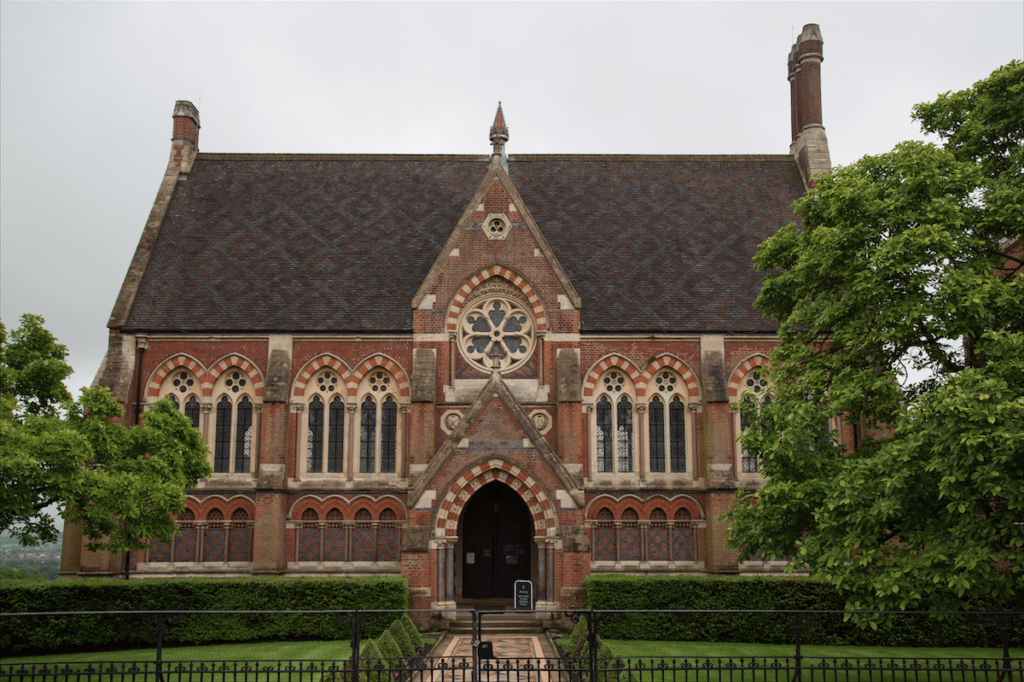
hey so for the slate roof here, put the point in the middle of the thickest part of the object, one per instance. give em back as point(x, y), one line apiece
point(336, 244)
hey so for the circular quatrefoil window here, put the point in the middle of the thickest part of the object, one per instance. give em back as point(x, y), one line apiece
point(496, 330)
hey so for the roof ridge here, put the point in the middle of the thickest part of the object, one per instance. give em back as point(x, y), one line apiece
point(483, 158)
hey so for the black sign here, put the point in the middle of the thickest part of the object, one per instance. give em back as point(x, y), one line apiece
point(524, 595)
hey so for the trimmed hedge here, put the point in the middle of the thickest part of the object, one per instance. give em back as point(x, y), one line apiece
point(716, 593)
point(75, 633)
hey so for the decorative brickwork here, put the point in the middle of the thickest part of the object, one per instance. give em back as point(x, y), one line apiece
point(506, 472)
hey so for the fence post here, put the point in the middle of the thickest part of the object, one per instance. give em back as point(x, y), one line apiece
point(160, 620)
point(477, 635)
point(1004, 631)
point(797, 627)
point(357, 628)
point(592, 645)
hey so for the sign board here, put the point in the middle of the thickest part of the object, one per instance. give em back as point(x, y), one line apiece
point(523, 595)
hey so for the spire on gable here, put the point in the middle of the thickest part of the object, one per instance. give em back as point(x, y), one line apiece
point(499, 136)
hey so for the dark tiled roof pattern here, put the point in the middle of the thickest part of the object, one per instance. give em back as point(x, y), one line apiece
point(311, 243)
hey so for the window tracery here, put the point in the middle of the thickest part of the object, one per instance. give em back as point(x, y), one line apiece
point(754, 389)
point(496, 326)
point(666, 424)
point(378, 424)
point(614, 444)
point(234, 431)
point(184, 389)
point(325, 424)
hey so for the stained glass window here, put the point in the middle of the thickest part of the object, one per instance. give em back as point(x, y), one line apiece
point(624, 435)
point(604, 435)
point(368, 436)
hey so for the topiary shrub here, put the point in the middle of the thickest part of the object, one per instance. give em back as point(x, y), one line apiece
point(389, 648)
point(412, 631)
point(578, 631)
point(372, 666)
point(397, 631)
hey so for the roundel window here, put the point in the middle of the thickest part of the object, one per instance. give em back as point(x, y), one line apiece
point(498, 330)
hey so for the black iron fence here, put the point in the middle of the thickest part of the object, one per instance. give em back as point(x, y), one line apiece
point(484, 662)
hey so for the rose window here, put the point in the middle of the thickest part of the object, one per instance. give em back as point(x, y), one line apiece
point(613, 382)
point(379, 382)
point(235, 382)
point(756, 383)
point(183, 382)
point(327, 382)
point(496, 330)
point(666, 382)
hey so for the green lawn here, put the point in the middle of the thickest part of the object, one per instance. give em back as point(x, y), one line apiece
point(248, 651)
point(651, 653)
point(632, 649)
point(648, 656)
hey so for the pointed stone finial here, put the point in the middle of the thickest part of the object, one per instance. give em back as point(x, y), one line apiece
point(499, 132)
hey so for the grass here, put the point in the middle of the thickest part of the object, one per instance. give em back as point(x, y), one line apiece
point(644, 649)
point(247, 651)
point(650, 652)
point(648, 655)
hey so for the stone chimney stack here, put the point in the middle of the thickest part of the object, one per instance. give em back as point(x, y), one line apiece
point(185, 137)
point(809, 146)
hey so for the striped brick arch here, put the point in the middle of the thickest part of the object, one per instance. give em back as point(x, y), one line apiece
point(451, 325)
point(736, 380)
point(645, 506)
point(236, 362)
point(675, 364)
point(605, 364)
point(541, 509)
point(314, 366)
point(181, 361)
point(378, 362)
point(347, 506)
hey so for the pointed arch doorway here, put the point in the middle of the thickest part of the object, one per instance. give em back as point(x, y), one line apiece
point(497, 542)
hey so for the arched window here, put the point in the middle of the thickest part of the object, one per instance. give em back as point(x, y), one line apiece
point(378, 424)
point(334, 537)
point(308, 537)
point(388, 537)
point(657, 536)
point(186, 545)
point(604, 536)
point(666, 422)
point(215, 537)
point(234, 434)
point(629, 536)
point(754, 389)
point(325, 424)
point(684, 544)
point(613, 424)
point(184, 389)
point(240, 537)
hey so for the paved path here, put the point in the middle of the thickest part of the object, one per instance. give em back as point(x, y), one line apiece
point(515, 647)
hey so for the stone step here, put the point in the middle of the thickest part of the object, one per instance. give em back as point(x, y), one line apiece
point(498, 623)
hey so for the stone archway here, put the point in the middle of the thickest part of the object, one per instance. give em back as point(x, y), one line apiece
point(497, 543)
point(539, 520)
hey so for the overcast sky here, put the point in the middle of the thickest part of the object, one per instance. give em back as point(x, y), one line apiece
point(87, 91)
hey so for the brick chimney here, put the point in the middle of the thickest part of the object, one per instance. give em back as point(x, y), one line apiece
point(809, 146)
point(185, 137)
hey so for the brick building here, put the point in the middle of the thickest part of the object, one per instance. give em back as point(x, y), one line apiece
point(466, 370)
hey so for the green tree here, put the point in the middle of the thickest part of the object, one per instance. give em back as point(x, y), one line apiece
point(120, 484)
point(900, 302)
